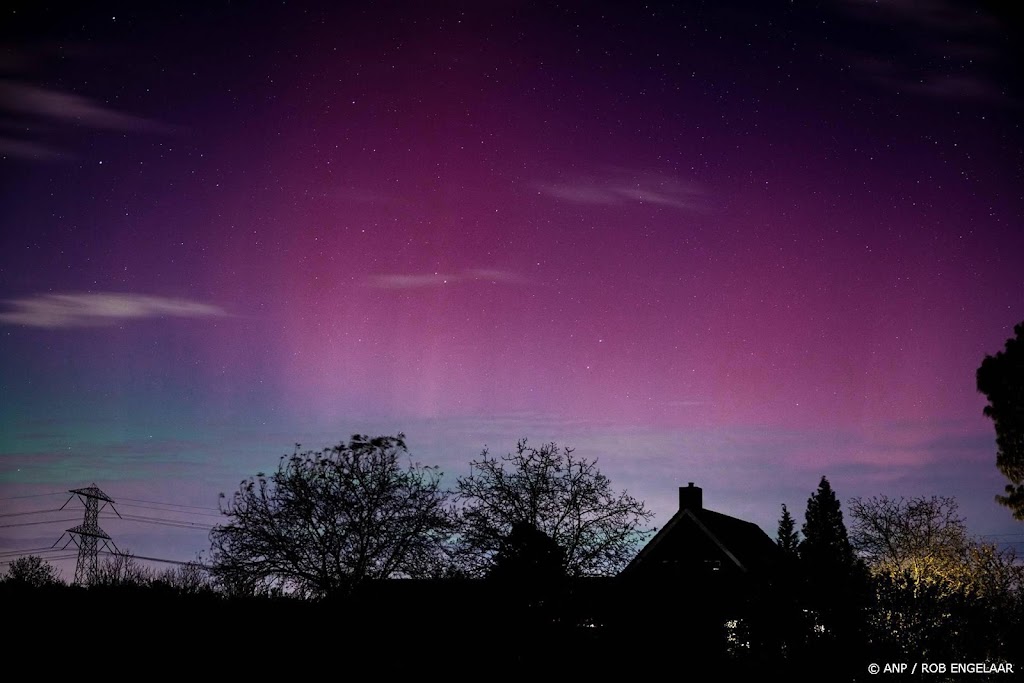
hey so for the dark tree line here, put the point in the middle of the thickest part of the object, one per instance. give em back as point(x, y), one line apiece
point(327, 521)
point(533, 542)
point(821, 586)
point(1001, 379)
point(902, 582)
point(548, 492)
point(905, 582)
point(329, 536)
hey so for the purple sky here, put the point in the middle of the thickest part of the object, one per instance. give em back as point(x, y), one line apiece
point(745, 245)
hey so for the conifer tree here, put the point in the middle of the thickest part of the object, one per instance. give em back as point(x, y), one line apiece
point(787, 536)
point(826, 544)
point(836, 581)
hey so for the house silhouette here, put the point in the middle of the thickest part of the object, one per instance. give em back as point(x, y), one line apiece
point(700, 542)
point(701, 586)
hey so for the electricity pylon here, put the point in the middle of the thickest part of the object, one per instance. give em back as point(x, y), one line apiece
point(88, 535)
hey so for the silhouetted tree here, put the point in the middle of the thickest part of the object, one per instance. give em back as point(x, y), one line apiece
point(327, 520)
point(787, 536)
point(785, 627)
point(529, 555)
point(559, 494)
point(188, 578)
point(530, 570)
point(1001, 379)
point(835, 588)
point(825, 543)
point(32, 571)
point(121, 569)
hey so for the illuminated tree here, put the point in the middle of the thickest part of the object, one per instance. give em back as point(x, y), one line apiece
point(1001, 379)
point(937, 591)
point(922, 536)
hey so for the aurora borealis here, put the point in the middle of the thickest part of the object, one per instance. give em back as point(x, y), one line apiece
point(740, 244)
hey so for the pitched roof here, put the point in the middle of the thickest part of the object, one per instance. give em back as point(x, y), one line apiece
point(745, 545)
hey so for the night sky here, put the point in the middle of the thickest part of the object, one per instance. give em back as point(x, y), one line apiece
point(739, 244)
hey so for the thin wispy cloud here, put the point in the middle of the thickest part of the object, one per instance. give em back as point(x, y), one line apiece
point(24, 149)
point(687, 403)
point(100, 308)
point(493, 275)
point(424, 280)
point(974, 86)
point(938, 15)
point(27, 108)
point(617, 186)
point(958, 87)
point(61, 106)
point(946, 50)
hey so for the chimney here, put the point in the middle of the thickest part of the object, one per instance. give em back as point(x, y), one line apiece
point(691, 497)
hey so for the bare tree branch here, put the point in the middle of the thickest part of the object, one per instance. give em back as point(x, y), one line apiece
point(327, 520)
point(555, 492)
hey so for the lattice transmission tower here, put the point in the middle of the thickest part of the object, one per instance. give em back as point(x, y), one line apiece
point(88, 535)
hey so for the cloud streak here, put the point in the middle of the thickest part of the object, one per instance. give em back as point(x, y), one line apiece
point(22, 102)
point(937, 15)
point(25, 149)
point(425, 280)
point(947, 50)
point(615, 187)
point(52, 104)
point(55, 311)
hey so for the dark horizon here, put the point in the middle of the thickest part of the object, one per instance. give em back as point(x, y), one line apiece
point(713, 590)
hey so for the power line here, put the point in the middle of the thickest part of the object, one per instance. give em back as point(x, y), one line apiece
point(181, 505)
point(28, 551)
point(162, 520)
point(181, 524)
point(67, 556)
point(156, 559)
point(35, 495)
point(30, 512)
point(49, 521)
point(89, 533)
point(59, 558)
point(177, 512)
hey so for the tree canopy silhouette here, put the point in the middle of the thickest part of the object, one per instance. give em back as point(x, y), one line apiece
point(1001, 379)
point(556, 493)
point(32, 571)
point(327, 520)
